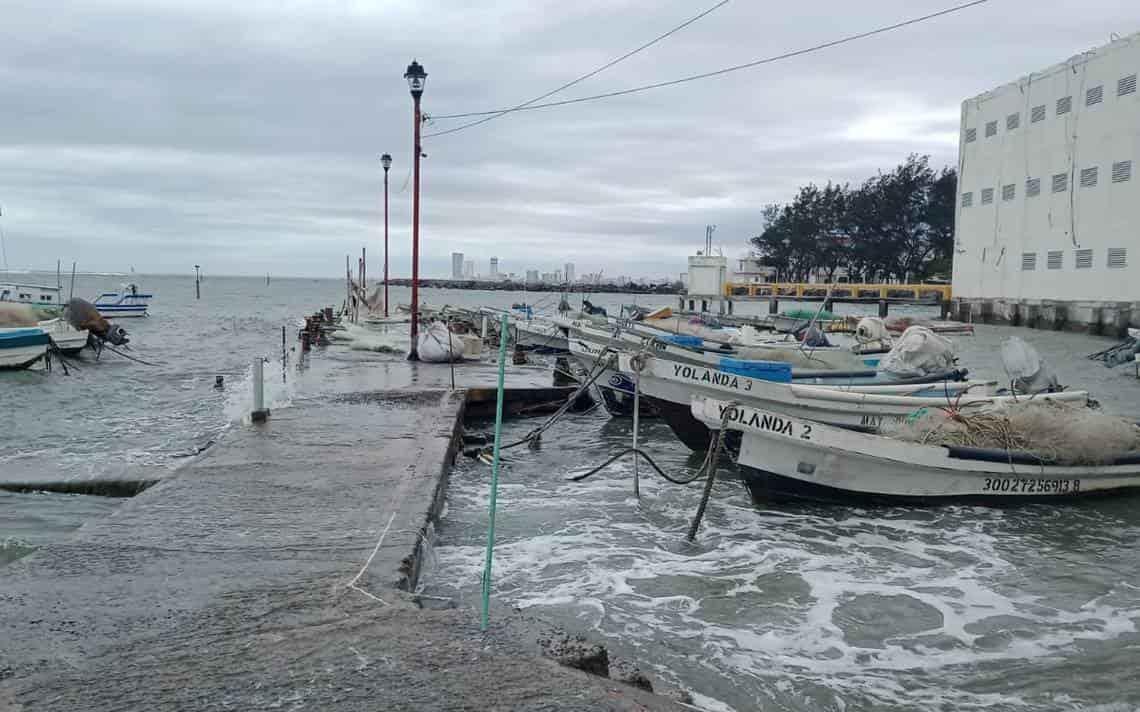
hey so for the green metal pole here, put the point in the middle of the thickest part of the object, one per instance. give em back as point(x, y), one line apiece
point(494, 472)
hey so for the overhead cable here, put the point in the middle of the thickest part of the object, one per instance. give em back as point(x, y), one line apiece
point(715, 73)
point(491, 115)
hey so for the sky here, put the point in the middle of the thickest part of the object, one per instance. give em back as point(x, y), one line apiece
point(245, 136)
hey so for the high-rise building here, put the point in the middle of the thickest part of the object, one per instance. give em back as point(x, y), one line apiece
point(494, 268)
point(457, 265)
point(568, 273)
point(532, 276)
point(469, 269)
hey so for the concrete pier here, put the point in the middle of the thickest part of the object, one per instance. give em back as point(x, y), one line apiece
point(273, 572)
point(1107, 318)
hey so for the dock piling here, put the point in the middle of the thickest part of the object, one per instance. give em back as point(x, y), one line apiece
point(494, 473)
point(259, 414)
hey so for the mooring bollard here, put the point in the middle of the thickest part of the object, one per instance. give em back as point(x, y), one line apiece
point(483, 329)
point(260, 413)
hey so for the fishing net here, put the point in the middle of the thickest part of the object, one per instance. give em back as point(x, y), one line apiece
point(17, 315)
point(1063, 433)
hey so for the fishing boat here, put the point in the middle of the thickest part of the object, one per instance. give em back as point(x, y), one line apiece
point(22, 347)
point(615, 388)
point(66, 337)
point(540, 335)
point(784, 457)
point(43, 299)
point(858, 403)
point(127, 302)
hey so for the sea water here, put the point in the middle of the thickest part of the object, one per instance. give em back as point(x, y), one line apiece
point(788, 607)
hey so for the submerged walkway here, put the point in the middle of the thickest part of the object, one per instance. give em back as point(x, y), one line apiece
point(241, 584)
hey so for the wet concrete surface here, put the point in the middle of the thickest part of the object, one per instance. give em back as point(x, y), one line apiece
point(227, 586)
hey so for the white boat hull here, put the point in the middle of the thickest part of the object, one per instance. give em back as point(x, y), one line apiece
point(541, 335)
point(21, 356)
point(67, 338)
point(784, 457)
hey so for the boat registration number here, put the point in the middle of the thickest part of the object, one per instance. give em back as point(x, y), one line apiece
point(1031, 485)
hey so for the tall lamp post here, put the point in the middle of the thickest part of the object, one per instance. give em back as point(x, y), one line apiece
point(197, 283)
point(386, 161)
point(417, 78)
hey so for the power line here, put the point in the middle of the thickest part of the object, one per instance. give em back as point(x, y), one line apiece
point(718, 72)
point(496, 114)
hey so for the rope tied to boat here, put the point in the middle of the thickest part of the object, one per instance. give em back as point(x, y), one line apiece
point(710, 465)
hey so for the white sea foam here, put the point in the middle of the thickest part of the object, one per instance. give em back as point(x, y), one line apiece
point(901, 608)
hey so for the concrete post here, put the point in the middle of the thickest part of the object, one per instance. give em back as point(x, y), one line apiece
point(944, 309)
point(259, 413)
point(883, 308)
point(773, 306)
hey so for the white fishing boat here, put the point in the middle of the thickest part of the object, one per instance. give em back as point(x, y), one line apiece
point(614, 387)
point(22, 347)
point(66, 337)
point(127, 302)
point(865, 404)
point(539, 334)
point(37, 296)
point(785, 457)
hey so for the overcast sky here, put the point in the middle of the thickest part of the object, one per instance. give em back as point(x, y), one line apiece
point(245, 134)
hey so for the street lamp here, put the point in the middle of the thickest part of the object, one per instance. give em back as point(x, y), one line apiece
point(386, 161)
point(417, 78)
point(197, 282)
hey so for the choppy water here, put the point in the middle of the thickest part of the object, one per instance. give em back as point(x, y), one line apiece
point(813, 608)
point(816, 607)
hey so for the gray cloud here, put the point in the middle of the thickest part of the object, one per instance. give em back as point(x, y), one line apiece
point(245, 136)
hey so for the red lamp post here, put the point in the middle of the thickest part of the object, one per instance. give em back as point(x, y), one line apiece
point(386, 161)
point(417, 78)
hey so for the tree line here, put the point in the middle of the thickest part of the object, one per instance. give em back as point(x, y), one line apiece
point(897, 226)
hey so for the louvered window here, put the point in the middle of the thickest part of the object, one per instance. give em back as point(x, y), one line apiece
point(1064, 105)
point(1060, 182)
point(1126, 85)
point(971, 135)
point(1055, 258)
point(1084, 259)
point(1088, 177)
point(1028, 261)
point(1117, 258)
point(1121, 171)
point(987, 196)
point(991, 129)
point(1008, 192)
point(1012, 121)
point(1032, 187)
point(967, 199)
point(1038, 114)
point(1094, 96)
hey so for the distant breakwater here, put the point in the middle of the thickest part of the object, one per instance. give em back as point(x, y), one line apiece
point(510, 286)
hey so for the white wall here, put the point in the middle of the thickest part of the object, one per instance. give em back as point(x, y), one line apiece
point(991, 239)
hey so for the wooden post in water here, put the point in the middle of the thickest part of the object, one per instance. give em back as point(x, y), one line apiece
point(197, 282)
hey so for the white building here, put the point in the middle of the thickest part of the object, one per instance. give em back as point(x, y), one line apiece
point(568, 273)
point(457, 265)
point(532, 276)
point(750, 269)
point(494, 273)
point(469, 269)
point(1048, 217)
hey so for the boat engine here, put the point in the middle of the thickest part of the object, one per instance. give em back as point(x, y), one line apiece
point(82, 314)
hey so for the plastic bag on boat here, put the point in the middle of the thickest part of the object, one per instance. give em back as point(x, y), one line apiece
point(871, 328)
point(438, 345)
point(1025, 367)
point(919, 352)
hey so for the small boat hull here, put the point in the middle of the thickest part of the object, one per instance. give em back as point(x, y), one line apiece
point(128, 303)
point(23, 347)
point(783, 457)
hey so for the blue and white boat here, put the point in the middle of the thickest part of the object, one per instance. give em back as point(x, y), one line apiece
point(22, 347)
point(128, 301)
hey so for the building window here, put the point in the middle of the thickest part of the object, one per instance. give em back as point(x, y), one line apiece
point(45, 297)
point(1064, 105)
point(1054, 259)
point(1032, 187)
point(1126, 85)
point(1084, 259)
point(1060, 182)
point(1038, 114)
point(967, 199)
point(991, 129)
point(971, 135)
point(1117, 258)
point(1088, 177)
point(987, 196)
point(1094, 95)
point(1008, 192)
point(1028, 261)
point(1121, 171)
point(1012, 121)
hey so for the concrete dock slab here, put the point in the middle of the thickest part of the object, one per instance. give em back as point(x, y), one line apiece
point(227, 585)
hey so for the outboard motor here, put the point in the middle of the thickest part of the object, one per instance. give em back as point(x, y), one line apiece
point(82, 314)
